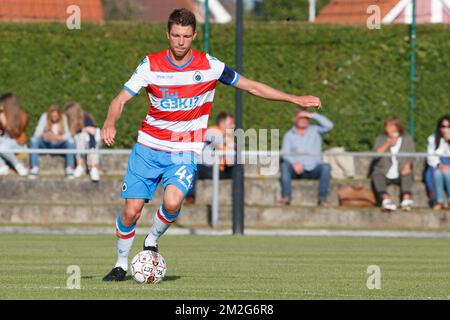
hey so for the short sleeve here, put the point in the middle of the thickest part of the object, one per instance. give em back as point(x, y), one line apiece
point(224, 74)
point(139, 79)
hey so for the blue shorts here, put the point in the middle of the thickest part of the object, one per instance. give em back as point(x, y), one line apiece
point(147, 167)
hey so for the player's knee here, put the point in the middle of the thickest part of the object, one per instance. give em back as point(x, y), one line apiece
point(131, 215)
point(171, 206)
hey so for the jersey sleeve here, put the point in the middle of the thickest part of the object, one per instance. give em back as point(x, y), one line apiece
point(224, 74)
point(139, 79)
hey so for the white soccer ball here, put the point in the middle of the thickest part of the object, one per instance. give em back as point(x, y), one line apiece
point(148, 267)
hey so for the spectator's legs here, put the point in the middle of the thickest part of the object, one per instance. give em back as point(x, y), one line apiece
point(447, 186)
point(94, 145)
point(81, 144)
point(428, 179)
point(429, 184)
point(227, 173)
point(70, 158)
point(379, 181)
point(441, 181)
point(4, 169)
point(37, 143)
point(322, 172)
point(406, 183)
point(9, 143)
point(287, 173)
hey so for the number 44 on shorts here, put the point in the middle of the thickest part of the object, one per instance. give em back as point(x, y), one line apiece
point(181, 174)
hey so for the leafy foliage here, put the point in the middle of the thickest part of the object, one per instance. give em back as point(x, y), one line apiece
point(361, 75)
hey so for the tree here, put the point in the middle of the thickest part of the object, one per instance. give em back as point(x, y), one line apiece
point(288, 10)
point(120, 9)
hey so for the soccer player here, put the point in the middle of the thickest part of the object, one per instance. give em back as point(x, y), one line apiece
point(180, 84)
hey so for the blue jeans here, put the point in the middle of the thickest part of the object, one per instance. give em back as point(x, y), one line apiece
point(6, 142)
point(39, 143)
point(441, 181)
point(428, 180)
point(322, 172)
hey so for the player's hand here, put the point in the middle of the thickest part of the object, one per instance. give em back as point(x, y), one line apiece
point(108, 134)
point(308, 101)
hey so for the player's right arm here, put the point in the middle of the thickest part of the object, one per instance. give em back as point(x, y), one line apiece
point(108, 132)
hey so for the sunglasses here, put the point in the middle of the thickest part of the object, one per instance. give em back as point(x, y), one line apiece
point(445, 126)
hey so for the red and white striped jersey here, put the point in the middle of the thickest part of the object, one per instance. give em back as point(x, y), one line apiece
point(180, 99)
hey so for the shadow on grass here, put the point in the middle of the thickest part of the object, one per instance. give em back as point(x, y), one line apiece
point(129, 278)
point(167, 278)
point(171, 278)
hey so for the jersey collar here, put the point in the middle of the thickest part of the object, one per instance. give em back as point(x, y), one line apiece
point(177, 66)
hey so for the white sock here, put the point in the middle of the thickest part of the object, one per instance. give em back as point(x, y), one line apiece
point(161, 222)
point(123, 250)
point(125, 237)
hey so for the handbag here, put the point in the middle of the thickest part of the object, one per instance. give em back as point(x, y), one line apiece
point(356, 196)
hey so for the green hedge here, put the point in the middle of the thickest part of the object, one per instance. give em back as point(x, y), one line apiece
point(360, 74)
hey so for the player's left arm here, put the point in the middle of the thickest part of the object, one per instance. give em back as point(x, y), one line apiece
point(266, 92)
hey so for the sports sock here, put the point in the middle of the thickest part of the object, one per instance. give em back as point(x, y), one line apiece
point(161, 222)
point(125, 237)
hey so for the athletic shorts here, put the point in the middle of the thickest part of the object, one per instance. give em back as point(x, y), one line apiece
point(147, 167)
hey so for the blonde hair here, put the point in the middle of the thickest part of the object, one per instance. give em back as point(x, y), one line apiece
point(55, 108)
point(75, 117)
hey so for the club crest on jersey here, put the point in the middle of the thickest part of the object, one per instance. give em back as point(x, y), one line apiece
point(198, 77)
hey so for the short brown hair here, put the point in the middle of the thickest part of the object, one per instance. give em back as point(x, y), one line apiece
point(396, 122)
point(182, 17)
point(222, 116)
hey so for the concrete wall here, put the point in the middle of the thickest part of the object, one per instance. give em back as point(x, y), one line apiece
point(52, 199)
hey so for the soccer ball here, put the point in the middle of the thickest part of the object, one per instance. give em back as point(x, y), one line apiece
point(148, 267)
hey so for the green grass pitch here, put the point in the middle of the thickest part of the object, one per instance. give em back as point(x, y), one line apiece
point(226, 267)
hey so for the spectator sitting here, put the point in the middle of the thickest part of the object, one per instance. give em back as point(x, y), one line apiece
point(393, 170)
point(87, 137)
point(437, 176)
point(305, 138)
point(219, 137)
point(13, 124)
point(52, 132)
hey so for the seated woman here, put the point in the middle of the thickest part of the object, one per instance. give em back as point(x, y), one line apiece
point(87, 137)
point(393, 170)
point(52, 132)
point(13, 124)
point(437, 176)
